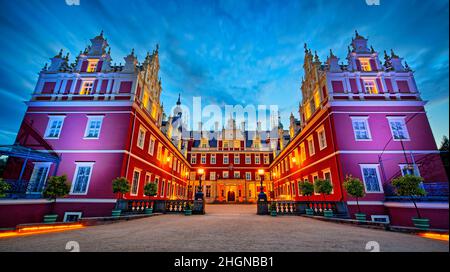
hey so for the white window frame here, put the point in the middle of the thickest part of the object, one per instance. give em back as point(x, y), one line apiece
point(92, 118)
point(226, 174)
point(325, 171)
point(364, 119)
point(51, 119)
point(212, 175)
point(302, 152)
point(212, 159)
point(248, 159)
point(257, 159)
point(203, 159)
point(315, 175)
point(376, 166)
point(159, 151)
point(370, 86)
point(151, 145)
point(416, 168)
point(66, 214)
point(248, 175)
point(78, 165)
point(85, 87)
point(138, 181)
point(227, 157)
point(319, 131)
point(386, 217)
point(401, 119)
point(236, 159)
point(35, 167)
point(193, 158)
point(236, 174)
point(140, 143)
point(266, 159)
point(311, 147)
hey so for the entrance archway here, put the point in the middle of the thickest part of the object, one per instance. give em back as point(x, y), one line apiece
point(231, 197)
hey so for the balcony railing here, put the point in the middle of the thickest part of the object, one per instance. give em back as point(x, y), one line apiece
point(163, 206)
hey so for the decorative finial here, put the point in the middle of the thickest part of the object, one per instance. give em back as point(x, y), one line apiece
point(331, 54)
point(101, 34)
point(109, 50)
point(60, 53)
point(179, 99)
point(316, 57)
point(45, 67)
point(393, 55)
point(306, 48)
point(132, 52)
point(67, 56)
point(372, 50)
point(356, 33)
point(157, 48)
point(407, 67)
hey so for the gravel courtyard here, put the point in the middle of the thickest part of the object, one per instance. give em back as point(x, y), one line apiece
point(224, 228)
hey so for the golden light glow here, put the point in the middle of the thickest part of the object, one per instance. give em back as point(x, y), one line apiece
point(435, 236)
point(40, 230)
point(168, 159)
point(201, 171)
point(260, 172)
point(294, 159)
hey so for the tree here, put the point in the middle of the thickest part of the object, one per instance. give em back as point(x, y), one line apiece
point(150, 189)
point(306, 188)
point(354, 187)
point(323, 186)
point(120, 186)
point(56, 187)
point(409, 185)
point(445, 154)
point(4, 187)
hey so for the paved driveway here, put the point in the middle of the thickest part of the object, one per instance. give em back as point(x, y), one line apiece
point(223, 228)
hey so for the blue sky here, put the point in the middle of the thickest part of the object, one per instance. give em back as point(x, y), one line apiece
point(227, 52)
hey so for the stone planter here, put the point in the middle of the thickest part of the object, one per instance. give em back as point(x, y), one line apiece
point(309, 212)
point(421, 223)
point(116, 213)
point(187, 212)
point(328, 213)
point(50, 218)
point(273, 213)
point(360, 216)
point(148, 210)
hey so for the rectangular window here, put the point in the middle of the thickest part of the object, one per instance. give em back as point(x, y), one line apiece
point(203, 159)
point(371, 178)
point(193, 158)
point(302, 152)
point(54, 127)
point(409, 169)
point(257, 159)
point(248, 159)
point(226, 160)
point(87, 88)
point(370, 87)
point(213, 159)
point(82, 176)
point(141, 138)
point(398, 128)
point(225, 144)
point(311, 148)
point(92, 66)
point(93, 127)
point(248, 176)
point(322, 138)
point(38, 177)
point(237, 174)
point(151, 146)
point(225, 174)
point(317, 99)
point(135, 182)
point(315, 177)
point(236, 159)
point(365, 64)
point(361, 128)
point(163, 187)
point(327, 176)
point(266, 159)
point(159, 152)
point(212, 175)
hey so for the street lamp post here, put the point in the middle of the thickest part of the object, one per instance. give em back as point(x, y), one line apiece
point(262, 197)
point(199, 201)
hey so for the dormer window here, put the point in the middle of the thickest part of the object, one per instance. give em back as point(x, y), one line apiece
point(370, 87)
point(87, 88)
point(92, 66)
point(365, 65)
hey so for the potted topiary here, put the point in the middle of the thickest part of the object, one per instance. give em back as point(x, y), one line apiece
point(4, 188)
point(324, 187)
point(56, 187)
point(120, 187)
point(188, 209)
point(409, 186)
point(150, 189)
point(273, 208)
point(355, 188)
point(307, 189)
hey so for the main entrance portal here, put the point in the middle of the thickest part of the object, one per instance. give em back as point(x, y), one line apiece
point(231, 197)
